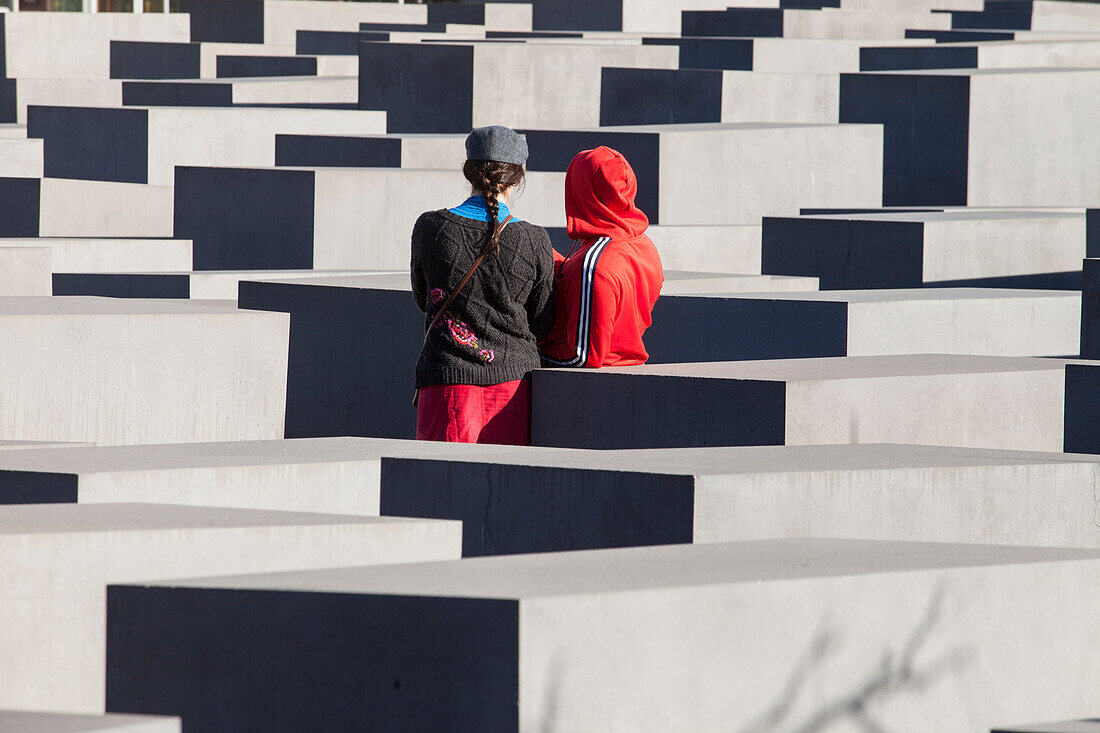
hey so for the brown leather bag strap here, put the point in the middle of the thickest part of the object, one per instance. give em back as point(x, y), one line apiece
point(469, 274)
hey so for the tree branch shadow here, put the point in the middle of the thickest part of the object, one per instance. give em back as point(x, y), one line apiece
point(897, 672)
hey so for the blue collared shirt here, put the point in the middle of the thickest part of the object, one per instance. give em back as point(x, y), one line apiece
point(475, 208)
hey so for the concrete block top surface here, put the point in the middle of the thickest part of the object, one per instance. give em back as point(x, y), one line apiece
point(36, 519)
point(93, 306)
point(14, 721)
point(901, 294)
point(675, 461)
point(841, 367)
point(380, 281)
point(1067, 726)
point(520, 577)
point(950, 215)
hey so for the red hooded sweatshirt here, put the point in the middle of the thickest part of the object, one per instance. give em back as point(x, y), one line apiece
point(604, 291)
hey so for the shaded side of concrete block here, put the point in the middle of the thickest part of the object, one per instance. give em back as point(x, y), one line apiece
point(1082, 429)
point(9, 104)
point(918, 57)
point(31, 487)
point(422, 88)
point(176, 94)
point(739, 22)
point(338, 151)
point(329, 43)
point(242, 66)
point(244, 219)
point(151, 60)
point(1015, 16)
point(845, 255)
point(465, 14)
point(960, 36)
point(553, 151)
point(1092, 233)
point(176, 650)
point(660, 96)
point(925, 133)
point(710, 53)
point(23, 205)
point(577, 15)
point(88, 143)
point(352, 353)
point(507, 510)
point(1090, 310)
point(215, 20)
point(572, 409)
point(695, 329)
point(118, 285)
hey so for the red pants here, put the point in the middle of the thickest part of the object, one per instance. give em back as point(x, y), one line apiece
point(466, 413)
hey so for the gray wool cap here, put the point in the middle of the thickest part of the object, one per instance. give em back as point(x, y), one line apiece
point(497, 143)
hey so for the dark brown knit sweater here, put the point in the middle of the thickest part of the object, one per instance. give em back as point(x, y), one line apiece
point(489, 334)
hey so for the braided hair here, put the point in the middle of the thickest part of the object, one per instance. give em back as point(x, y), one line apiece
point(491, 179)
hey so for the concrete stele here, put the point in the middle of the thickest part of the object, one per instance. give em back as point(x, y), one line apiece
point(997, 631)
point(58, 559)
point(1013, 403)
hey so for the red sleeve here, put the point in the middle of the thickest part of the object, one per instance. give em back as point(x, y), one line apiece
point(606, 293)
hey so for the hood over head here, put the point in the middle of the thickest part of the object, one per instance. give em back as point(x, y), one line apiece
point(600, 187)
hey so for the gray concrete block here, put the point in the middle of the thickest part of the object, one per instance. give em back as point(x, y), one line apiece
point(971, 401)
point(25, 271)
point(327, 218)
point(58, 559)
point(430, 87)
point(779, 167)
point(1033, 248)
point(329, 475)
point(1073, 53)
point(28, 722)
point(275, 22)
point(59, 207)
point(549, 500)
point(1090, 310)
point(1041, 15)
point(690, 95)
point(633, 639)
point(114, 371)
point(338, 326)
point(340, 323)
point(93, 255)
point(78, 45)
point(773, 325)
point(320, 92)
point(21, 158)
point(435, 152)
point(979, 137)
point(803, 23)
point(137, 145)
point(1069, 726)
point(200, 285)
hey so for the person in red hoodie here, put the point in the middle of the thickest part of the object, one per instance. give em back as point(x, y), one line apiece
point(605, 289)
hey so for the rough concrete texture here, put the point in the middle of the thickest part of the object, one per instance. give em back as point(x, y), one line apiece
point(91, 255)
point(826, 618)
point(71, 372)
point(58, 559)
point(899, 249)
point(28, 722)
point(973, 401)
point(25, 271)
point(143, 145)
point(548, 500)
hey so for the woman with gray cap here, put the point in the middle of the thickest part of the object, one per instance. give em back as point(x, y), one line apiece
point(483, 279)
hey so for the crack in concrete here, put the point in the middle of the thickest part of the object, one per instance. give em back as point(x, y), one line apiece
point(485, 531)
